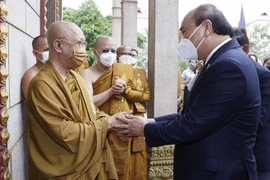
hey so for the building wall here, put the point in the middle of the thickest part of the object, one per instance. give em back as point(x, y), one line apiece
point(23, 23)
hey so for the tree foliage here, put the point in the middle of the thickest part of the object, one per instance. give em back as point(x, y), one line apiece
point(259, 38)
point(89, 18)
point(142, 44)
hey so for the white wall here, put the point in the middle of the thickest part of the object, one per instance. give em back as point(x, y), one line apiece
point(23, 25)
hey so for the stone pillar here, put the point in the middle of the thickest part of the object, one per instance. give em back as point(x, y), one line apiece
point(129, 23)
point(162, 76)
point(43, 18)
point(54, 11)
point(4, 134)
point(116, 22)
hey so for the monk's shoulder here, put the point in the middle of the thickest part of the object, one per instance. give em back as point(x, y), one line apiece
point(29, 74)
point(88, 73)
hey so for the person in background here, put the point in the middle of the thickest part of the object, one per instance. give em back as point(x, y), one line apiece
point(41, 53)
point(187, 75)
point(135, 55)
point(266, 63)
point(215, 133)
point(262, 145)
point(252, 56)
point(137, 95)
point(111, 84)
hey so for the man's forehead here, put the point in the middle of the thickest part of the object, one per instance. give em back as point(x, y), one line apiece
point(124, 49)
point(107, 43)
point(187, 21)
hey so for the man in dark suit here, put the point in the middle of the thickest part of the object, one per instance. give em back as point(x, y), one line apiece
point(215, 133)
point(262, 145)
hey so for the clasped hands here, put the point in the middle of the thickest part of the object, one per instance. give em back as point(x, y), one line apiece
point(119, 86)
point(127, 124)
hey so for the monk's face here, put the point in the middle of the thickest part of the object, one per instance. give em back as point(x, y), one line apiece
point(74, 47)
point(123, 51)
point(41, 48)
point(106, 45)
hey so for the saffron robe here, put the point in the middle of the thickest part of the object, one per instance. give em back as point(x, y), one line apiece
point(121, 145)
point(66, 135)
point(137, 95)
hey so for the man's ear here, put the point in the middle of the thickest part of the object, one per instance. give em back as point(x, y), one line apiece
point(208, 27)
point(57, 45)
point(34, 52)
point(95, 52)
point(245, 48)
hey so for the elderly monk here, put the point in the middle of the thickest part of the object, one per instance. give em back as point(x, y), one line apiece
point(110, 83)
point(66, 134)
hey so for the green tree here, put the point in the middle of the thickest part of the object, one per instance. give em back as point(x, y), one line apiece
point(142, 44)
point(89, 18)
point(259, 40)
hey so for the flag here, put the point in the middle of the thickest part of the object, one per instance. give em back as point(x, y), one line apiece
point(242, 22)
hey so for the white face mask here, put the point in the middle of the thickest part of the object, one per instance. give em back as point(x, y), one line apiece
point(186, 48)
point(107, 59)
point(126, 59)
point(45, 56)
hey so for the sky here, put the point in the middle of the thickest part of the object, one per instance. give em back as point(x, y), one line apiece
point(230, 8)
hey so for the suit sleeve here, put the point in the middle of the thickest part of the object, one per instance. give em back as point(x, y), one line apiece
point(169, 117)
point(221, 95)
point(265, 98)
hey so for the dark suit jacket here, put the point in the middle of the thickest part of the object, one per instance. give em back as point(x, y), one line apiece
point(215, 135)
point(262, 146)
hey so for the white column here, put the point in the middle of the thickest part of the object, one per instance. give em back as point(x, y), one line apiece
point(129, 23)
point(116, 22)
point(162, 56)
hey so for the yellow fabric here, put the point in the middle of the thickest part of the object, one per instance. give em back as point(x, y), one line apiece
point(120, 145)
point(66, 137)
point(139, 92)
point(82, 67)
point(179, 88)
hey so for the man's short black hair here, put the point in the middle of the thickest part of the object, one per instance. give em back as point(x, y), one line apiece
point(266, 59)
point(35, 43)
point(220, 24)
point(241, 36)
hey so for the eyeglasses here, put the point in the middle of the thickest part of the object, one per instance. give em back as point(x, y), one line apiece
point(81, 44)
point(127, 54)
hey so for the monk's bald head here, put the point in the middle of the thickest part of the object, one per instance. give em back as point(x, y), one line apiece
point(62, 29)
point(101, 41)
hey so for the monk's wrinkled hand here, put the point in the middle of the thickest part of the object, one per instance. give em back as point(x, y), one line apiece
point(113, 119)
point(131, 126)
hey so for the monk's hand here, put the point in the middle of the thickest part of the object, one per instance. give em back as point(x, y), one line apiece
point(131, 126)
point(113, 120)
point(119, 86)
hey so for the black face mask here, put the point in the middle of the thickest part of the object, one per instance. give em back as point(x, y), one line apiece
point(268, 67)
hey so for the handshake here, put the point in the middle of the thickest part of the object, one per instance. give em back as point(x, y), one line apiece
point(127, 124)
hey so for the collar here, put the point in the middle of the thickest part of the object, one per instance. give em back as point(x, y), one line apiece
point(215, 49)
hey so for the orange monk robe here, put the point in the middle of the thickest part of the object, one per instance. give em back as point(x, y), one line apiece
point(137, 95)
point(139, 92)
point(66, 136)
point(121, 145)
